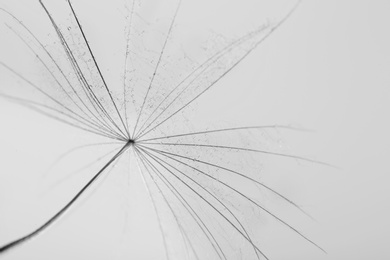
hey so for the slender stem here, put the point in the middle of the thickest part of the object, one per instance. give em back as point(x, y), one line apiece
point(55, 217)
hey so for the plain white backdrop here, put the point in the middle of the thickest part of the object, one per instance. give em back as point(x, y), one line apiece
point(326, 69)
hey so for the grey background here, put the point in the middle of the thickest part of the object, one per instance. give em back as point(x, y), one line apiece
point(326, 69)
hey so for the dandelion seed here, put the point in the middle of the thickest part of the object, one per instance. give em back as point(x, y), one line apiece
point(205, 203)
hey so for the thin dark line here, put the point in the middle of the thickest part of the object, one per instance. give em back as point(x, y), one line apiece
point(84, 83)
point(246, 235)
point(90, 94)
point(37, 231)
point(89, 119)
point(272, 29)
point(71, 174)
point(157, 67)
point(188, 207)
point(181, 228)
point(34, 105)
point(273, 215)
point(44, 64)
point(224, 130)
point(226, 50)
point(244, 149)
point(234, 172)
point(97, 66)
point(156, 211)
point(37, 88)
point(62, 156)
point(125, 67)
